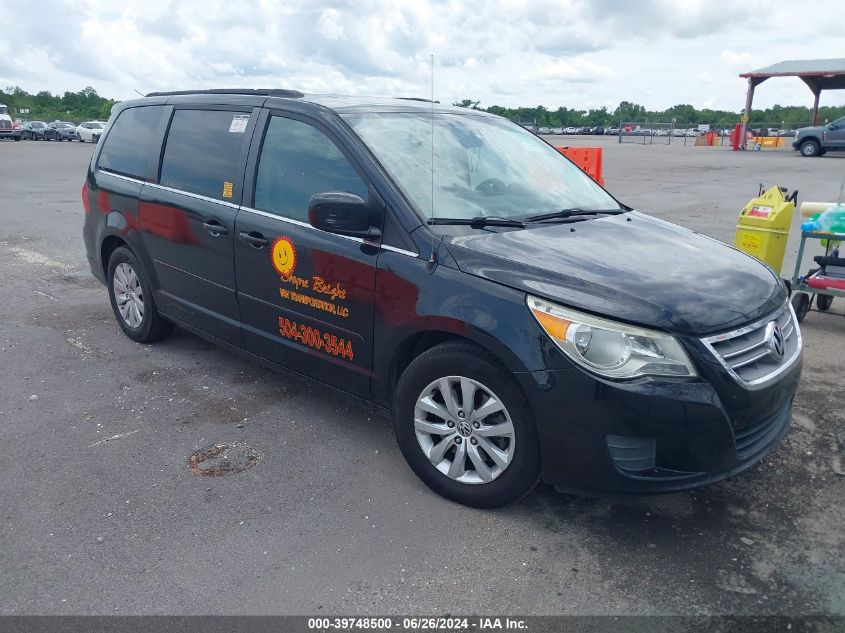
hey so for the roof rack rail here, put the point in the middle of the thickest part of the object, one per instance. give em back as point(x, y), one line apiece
point(417, 99)
point(258, 92)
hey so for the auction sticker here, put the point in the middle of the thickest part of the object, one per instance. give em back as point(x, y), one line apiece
point(239, 122)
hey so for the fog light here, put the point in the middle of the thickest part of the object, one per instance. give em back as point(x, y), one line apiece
point(632, 454)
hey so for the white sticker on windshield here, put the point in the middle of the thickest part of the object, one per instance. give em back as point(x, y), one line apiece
point(239, 122)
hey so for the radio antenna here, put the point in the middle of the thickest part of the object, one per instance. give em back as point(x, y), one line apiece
point(434, 242)
point(432, 134)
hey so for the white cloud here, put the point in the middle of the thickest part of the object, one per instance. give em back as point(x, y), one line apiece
point(733, 58)
point(330, 25)
point(576, 53)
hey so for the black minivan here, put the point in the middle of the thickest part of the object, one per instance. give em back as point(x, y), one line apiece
point(452, 268)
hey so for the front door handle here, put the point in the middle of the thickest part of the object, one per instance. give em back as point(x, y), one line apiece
point(215, 228)
point(254, 239)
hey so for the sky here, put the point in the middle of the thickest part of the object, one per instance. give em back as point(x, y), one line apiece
point(575, 53)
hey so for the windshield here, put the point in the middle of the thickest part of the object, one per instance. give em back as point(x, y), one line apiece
point(97, 125)
point(483, 166)
point(38, 124)
point(4, 110)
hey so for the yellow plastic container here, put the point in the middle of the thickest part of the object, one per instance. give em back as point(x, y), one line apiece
point(763, 227)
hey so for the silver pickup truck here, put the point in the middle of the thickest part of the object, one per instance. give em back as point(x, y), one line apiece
point(815, 141)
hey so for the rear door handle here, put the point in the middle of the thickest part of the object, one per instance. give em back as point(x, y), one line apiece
point(254, 239)
point(215, 228)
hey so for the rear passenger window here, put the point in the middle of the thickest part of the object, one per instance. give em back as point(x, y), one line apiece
point(297, 161)
point(129, 142)
point(202, 151)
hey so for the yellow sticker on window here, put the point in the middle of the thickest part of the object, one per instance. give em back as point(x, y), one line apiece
point(227, 189)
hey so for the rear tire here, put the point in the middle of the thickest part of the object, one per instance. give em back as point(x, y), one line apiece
point(493, 454)
point(132, 300)
point(810, 148)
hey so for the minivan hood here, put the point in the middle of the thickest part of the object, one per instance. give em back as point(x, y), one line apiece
point(630, 267)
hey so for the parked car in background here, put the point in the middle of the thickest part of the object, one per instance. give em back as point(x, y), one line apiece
point(34, 131)
point(612, 130)
point(89, 131)
point(570, 130)
point(598, 131)
point(815, 141)
point(7, 128)
point(60, 131)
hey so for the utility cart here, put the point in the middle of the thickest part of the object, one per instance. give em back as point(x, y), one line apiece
point(821, 284)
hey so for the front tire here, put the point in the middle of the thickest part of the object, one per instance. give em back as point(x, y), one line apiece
point(132, 301)
point(810, 148)
point(465, 428)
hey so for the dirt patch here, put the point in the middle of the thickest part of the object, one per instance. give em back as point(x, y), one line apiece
point(223, 458)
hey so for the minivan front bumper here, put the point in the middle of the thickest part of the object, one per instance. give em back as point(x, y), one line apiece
point(653, 435)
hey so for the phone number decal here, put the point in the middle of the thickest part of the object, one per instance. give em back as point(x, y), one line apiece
point(312, 337)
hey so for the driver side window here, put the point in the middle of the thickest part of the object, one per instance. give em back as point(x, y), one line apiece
point(297, 161)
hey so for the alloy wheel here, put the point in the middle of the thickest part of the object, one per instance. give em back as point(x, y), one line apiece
point(464, 430)
point(128, 295)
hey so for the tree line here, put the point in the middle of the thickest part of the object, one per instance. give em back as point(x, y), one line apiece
point(85, 105)
point(785, 117)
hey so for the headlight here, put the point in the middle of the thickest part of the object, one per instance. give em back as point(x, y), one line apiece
point(608, 348)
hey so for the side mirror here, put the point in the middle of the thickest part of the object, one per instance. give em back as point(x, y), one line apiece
point(342, 213)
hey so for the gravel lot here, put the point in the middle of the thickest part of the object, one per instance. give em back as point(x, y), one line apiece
point(330, 520)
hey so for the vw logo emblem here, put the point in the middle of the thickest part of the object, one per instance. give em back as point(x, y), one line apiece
point(774, 341)
point(464, 428)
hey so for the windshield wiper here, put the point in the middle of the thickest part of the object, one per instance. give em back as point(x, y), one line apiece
point(568, 213)
point(478, 222)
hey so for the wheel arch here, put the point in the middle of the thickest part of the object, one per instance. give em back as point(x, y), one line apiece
point(421, 341)
point(109, 245)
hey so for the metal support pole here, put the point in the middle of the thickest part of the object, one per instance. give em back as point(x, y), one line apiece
point(749, 98)
point(816, 90)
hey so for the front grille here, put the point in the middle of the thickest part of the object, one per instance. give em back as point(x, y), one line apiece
point(750, 440)
point(5, 125)
point(748, 353)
